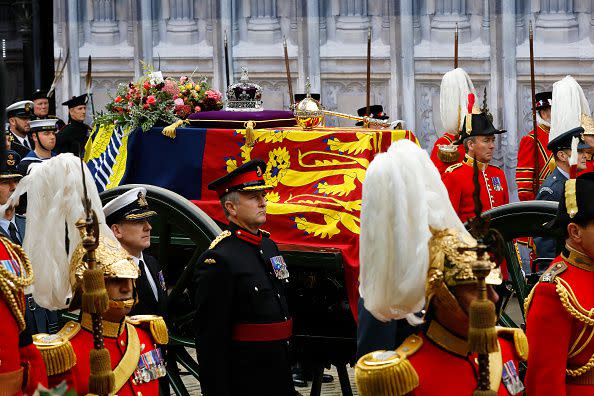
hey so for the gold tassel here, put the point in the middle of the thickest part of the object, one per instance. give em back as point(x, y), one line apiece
point(482, 334)
point(169, 130)
point(102, 379)
point(250, 138)
point(94, 298)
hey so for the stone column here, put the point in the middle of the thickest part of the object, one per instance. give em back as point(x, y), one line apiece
point(313, 43)
point(104, 27)
point(508, 140)
point(448, 13)
point(73, 69)
point(486, 22)
point(263, 25)
point(407, 57)
point(353, 21)
point(146, 28)
point(181, 26)
point(556, 22)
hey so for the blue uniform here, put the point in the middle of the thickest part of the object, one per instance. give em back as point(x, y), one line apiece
point(552, 189)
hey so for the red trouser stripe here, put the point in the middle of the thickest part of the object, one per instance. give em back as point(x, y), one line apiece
point(263, 331)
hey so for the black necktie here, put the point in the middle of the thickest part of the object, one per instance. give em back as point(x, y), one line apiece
point(26, 142)
point(14, 236)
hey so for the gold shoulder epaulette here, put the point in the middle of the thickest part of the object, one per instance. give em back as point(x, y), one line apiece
point(453, 167)
point(554, 270)
point(265, 233)
point(56, 350)
point(448, 156)
point(518, 337)
point(388, 372)
point(155, 323)
point(219, 238)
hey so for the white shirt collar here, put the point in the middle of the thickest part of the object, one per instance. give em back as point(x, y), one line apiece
point(563, 173)
point(4, 223)
point(137, 259)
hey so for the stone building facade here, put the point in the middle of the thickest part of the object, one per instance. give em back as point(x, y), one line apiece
point(412, 47)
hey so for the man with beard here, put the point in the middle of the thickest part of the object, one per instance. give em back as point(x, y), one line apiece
point(18, 115)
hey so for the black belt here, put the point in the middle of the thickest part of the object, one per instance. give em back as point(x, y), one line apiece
point(31, 305)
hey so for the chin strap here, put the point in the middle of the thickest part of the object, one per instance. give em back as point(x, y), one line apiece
point(121, 304)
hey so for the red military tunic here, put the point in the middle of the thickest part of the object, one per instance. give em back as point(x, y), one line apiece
point(458, 181)
point(525, 167)
point(445, 368)
point(446, 139)
point(559, 330)
point(126, 344)
point(21, 368)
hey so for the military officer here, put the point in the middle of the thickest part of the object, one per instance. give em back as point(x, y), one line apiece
point(559, 320)
point(413, 258)
point(478, 137)
point(546, 162)
point(73, 137)
point(43, 133)
point(554, 185)
point(133, 342)
point(128, 217)
point(453, 104)
point(18, 115)
point(242, 319)
point(41, 108)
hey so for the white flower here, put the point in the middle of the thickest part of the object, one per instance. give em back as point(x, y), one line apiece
point(156, 77)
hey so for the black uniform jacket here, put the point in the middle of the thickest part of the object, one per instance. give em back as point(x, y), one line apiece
point(72, 138)
point(19, 148)
point(235, 284)
point(147, 305)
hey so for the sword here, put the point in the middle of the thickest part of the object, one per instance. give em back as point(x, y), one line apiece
point(89, 83)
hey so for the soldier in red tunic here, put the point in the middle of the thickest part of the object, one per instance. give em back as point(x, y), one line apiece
point(453, 104)
point(479, 142)
point(559, 322)
point(546, 162)
point(21, 368)
point(417, 256)
point(132, 342)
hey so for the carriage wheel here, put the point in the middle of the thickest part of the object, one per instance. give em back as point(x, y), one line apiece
point(181, 232)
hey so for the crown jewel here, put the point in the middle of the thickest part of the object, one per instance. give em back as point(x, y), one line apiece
point(244, 95)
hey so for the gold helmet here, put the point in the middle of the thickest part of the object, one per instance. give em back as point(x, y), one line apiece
point(111, 257)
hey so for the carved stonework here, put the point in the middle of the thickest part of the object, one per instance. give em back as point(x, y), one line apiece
point(556, 22)
point(348, 96)
point(181, 26)
point(428, 119)
point(104, 27)
point(525, 110)
point(448, 15)
point(263, 25)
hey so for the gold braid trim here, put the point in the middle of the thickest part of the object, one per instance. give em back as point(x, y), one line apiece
point(11, 285)
point(56, 350)
point(219, 238)
point(573, 307)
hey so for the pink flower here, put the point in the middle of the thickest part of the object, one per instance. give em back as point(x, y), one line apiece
point(183, 79)
point(213, 94)
point(178, 102)
point(130, 104)
point(197, 109)
point(118, 99)
point(170, 87)
point(146, 85)
point(151, 100)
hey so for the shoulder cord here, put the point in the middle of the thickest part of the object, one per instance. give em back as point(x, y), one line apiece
point(12, 285)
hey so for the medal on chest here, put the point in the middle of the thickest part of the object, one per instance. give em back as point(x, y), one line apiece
point(280, 267)
point(511, 379)
point(496, 183)
point(150, 366)
point(162, 280)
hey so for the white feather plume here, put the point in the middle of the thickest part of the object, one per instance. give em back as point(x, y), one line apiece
point(403, 196)
point(54, 203)
point(453, 99)
point(569, 102)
